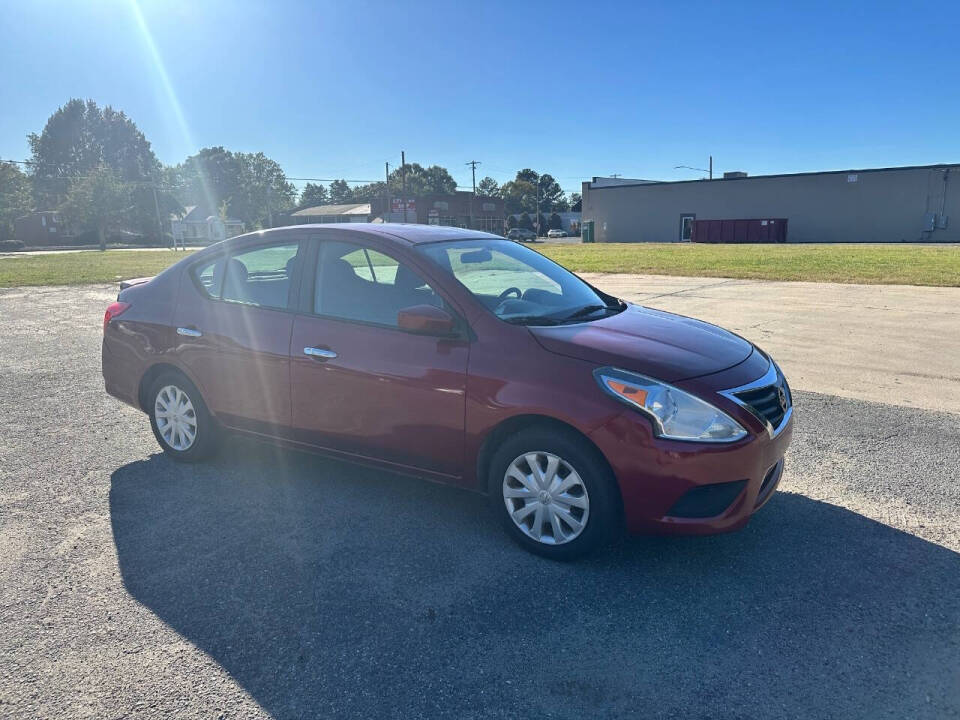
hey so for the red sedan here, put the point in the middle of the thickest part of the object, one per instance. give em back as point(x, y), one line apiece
point(462, 357)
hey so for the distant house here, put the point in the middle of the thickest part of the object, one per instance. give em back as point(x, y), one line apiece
point(350, 212)
point(39, 229)
point(199, 225)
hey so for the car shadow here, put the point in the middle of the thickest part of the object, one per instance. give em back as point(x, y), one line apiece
point(327, 589)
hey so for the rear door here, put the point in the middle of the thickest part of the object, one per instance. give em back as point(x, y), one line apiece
point(380, 392)
point(246, 318)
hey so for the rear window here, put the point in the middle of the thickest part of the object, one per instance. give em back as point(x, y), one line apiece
point(209, 277)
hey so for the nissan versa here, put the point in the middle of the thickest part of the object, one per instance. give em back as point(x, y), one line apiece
point(462, 357)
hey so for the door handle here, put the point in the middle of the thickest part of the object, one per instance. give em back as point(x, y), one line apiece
point(319, 353)
point(189, 332)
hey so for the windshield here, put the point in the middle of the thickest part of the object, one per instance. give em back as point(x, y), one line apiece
point(517, 284)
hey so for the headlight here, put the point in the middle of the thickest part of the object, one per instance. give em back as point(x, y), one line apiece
point(676, 415)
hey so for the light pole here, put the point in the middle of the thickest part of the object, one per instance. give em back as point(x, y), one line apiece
point(687, 167)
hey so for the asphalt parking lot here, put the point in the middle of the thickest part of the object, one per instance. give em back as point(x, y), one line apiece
point(272, 583)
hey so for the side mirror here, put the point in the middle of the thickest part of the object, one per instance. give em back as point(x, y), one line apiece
point(425, 320)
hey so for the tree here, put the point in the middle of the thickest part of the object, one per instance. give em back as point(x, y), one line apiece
point(253, 186)
point(81, 138)
point(488, 187)
point(15, 198)
point(264, 189)
point(555, 222)
point(511, 222)
point(434, 180)
point(368, 192)
point(519, 196)
point(100, 202)
point(340, 193)
point(576, 202)
point(550, 193)
point(314, 195)
point(525, 222)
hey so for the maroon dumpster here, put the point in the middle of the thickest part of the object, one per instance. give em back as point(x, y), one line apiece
point(766, 230)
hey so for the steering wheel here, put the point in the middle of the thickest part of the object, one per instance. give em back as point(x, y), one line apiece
point(506, 293)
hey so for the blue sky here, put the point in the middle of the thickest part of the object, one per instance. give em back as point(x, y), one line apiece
point(335, 89)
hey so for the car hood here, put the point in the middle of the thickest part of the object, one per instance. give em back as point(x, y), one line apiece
point(662, 345)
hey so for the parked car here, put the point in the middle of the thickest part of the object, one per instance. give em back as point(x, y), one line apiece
point(462, 357)
point(521, 235)
point(556, 233)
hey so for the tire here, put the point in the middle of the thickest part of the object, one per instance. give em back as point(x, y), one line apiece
point(578, 465)
point(168, 390)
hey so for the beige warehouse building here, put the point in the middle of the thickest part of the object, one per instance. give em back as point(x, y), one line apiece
point(905, 204)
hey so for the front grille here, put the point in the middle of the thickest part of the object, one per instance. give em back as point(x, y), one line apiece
point(765, 403)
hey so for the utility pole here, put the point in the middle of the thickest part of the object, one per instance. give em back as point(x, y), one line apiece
point(403, 181)
point(473, 171)
point(711, 167)
point(156, 206)
point(386, 191)
point(538, 207)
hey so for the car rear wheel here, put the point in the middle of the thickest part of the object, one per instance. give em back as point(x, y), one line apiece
point(555, 495)
point(180, 420)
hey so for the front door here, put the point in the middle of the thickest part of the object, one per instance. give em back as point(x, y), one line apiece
point(362, 385)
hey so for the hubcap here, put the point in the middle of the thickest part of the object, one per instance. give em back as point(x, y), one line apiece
point(176, 418)
point(546, 498)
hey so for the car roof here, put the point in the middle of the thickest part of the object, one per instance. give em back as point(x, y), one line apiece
point(412, 234)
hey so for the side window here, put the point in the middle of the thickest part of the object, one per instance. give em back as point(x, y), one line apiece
point(261, 277)
point(210, 277)
point(357, 283)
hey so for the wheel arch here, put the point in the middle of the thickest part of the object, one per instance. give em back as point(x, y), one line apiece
point(519, 423)
point(151, 374)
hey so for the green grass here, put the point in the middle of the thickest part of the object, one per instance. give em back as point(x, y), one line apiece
point(84, 267)
point(881, 264)
point(869, 264)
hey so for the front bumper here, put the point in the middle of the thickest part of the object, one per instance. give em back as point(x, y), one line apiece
point(671, 487)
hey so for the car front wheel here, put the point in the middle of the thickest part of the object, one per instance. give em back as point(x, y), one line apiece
point(180, 420)
point(555, 495)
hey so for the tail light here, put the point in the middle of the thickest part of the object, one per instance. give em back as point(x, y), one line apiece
point(116, 309)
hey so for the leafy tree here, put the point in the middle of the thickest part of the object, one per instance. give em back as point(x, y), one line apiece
point(434, 180)
point(550, 193)
point(525, 222)
point(511, 222)
point(521, 193)
point(79, 139)
point(340, 193)
point(314, 195)
point(368, 192)
point(264, 189)
point(576, 202)
point(527, 175)
point(15, 198)
point(555, 222)
point(519, 196)
point(100, 202)
point(488, 187)
point(252, 185)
